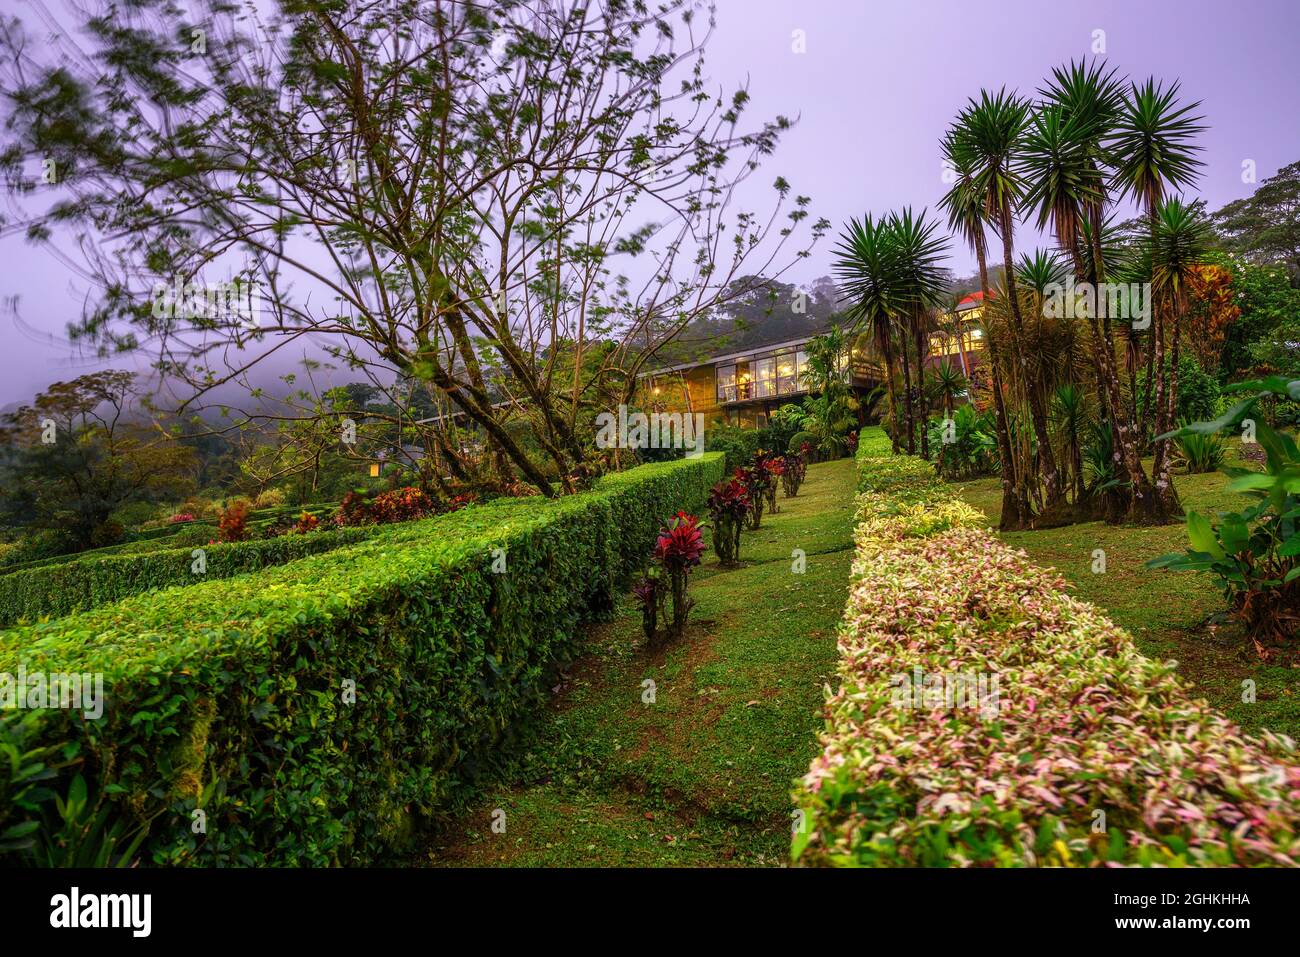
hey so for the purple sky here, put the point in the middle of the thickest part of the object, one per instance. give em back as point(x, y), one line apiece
point(879, 83)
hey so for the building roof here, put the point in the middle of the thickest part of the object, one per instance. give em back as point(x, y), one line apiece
point(973, 300)
point(728, 357)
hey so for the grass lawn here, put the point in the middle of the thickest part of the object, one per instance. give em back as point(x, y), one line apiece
point(702, 775)
point(1166, 612)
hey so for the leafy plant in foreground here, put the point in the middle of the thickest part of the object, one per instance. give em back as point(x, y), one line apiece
point(1255, 552)
point(678, 550)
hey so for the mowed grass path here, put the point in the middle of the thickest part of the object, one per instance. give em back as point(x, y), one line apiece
point(702, 775)
point(1167, 613)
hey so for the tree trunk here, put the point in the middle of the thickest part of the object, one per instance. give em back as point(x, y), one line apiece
point(1160, 471)
point(1053, 493)
point(922, 413)
point(1013, 517)
point(1144, 505)
point(907, 388)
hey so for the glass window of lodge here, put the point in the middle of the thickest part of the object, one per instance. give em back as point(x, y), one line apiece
point(726, 383)
point(764, 377)
point(786, 379)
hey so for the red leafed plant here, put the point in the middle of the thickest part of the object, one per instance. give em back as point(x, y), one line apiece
point(775, 466)
point(757, 480)
point(232, 525)
point(401, 505)
point(354, 510)
point(796, 467)
point(728, 506)
point(650, 593)
point(679, 548)
point(307, 522)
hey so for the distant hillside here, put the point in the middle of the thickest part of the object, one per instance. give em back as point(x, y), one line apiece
point(766, 314)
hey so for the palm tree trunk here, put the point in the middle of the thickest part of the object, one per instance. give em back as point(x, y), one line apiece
point(891, 386)
point(907, 388)
point(1160, 469)
point(1053, 493)
point(1164, 485)
point(1012, 516)
point(919, 337)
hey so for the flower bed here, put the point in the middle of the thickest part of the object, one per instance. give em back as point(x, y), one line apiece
point(1085, 753)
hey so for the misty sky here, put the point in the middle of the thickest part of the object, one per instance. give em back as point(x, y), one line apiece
point(879, 83)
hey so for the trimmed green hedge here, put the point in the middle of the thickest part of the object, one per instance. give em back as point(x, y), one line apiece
point(186, 533)
point(232, 696)
point(984, 717)
point(56, 590)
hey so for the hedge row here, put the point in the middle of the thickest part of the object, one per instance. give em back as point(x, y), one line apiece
point(53, 591)
point(317, 711)
point(185, 533)
point(171, 536)
point(1084, 753)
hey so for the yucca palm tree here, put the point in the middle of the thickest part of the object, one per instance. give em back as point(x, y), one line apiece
point(889, 269)
point(1152, 149)
point(1061, 178)
point(1084, 126)
point(920, 281)
point(1153, 152)
point(863, 268)
point(989, 135)
point(1070, 409)
point(946, 383)
point(1179, 245)
point(964, 205)
point(1040, 271)
point(1090, 97)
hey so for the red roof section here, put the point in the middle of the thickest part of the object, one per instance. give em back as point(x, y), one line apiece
point(974, 299)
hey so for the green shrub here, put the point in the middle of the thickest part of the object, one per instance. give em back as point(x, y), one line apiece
point(1255, 553)
point(799, 438)
point(1199, 453)
point(782, 425)
point(737, 444)
point(52, 591)
point(237, 696)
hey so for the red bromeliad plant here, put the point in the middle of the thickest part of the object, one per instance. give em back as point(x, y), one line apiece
point(678, 550)
point(728, 506)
